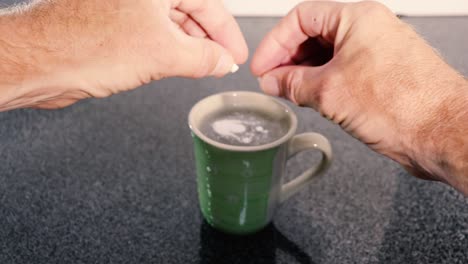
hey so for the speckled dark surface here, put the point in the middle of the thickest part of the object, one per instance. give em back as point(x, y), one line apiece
point(112, 181)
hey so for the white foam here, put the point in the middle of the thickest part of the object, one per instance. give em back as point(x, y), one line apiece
point(228, 127)
point(232, 128)
point(243, 128)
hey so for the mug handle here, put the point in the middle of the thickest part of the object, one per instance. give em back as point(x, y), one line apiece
point(299, 143)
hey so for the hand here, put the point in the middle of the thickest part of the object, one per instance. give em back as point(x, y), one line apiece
point(364, 69)
point(67, 50)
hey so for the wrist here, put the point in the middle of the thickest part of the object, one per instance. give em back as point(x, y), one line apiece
point(18, 58)
point(32, 59)
point(440, 146)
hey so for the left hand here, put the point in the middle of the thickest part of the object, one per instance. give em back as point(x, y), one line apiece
point(67, 50)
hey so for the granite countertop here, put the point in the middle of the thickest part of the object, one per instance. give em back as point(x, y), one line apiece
point(113, 181)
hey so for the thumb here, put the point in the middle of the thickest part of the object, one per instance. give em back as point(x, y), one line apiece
point(300, 84)
point(203, 57)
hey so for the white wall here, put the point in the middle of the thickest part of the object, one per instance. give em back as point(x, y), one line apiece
point(403, 7)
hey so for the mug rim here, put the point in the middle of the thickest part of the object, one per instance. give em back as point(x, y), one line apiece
point(291, 130)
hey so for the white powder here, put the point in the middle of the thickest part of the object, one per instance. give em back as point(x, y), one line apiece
point(236, 129)
point(228, 127)
point(243, 128)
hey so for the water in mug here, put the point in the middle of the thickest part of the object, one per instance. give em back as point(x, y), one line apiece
point(243, 128)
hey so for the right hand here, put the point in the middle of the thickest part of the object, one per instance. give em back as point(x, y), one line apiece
point(364, 69)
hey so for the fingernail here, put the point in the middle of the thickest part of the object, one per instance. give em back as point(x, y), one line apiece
point(225, 64)
point(234, 68)
point(269, 85)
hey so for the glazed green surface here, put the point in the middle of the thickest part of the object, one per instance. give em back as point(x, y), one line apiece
point(234, 187)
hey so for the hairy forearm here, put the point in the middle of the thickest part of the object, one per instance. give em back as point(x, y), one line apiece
point(442, 149)
point(25, 58)
point(15, 64)
point(42, 47)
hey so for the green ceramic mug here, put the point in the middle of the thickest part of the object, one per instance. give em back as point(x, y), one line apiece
point(240, 187)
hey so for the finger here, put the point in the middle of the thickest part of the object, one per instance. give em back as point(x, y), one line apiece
point(220, 26)
point(187, 24)
point(203, 57)
point(309, 19)
point(299, 84)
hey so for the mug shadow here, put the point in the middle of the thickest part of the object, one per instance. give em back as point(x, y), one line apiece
point(261, 247)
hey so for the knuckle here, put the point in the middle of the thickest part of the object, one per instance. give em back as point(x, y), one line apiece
point(294, 81)
point(303, 5)
point(203, 65)
point(372, 8)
